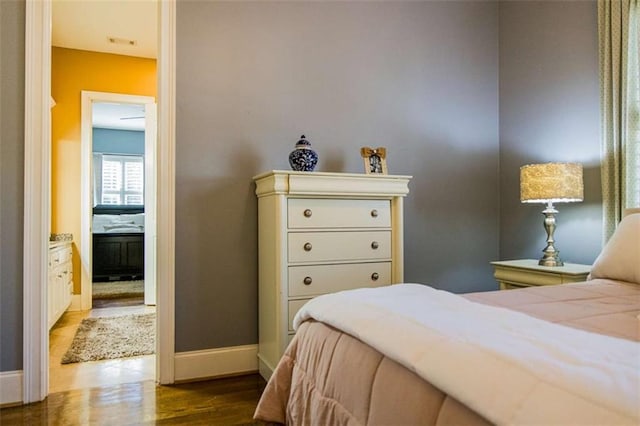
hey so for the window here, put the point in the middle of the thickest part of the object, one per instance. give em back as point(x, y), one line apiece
point(122, 180)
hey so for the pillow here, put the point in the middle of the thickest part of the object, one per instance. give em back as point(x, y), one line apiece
point(122, 222)
point(620, 257)
point(101, 219)
point(138, 218)
point(124, 226)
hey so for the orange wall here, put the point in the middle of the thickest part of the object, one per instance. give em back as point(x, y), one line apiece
point(73, 71)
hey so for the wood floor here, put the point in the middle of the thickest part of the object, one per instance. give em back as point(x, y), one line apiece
point(65, 377)
point(229, 401)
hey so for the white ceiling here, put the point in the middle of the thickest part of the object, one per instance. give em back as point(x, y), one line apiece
point(93, 25)
point(118, 116)
point(90, 24)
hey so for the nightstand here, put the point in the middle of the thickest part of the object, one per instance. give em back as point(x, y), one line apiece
point(512, 274)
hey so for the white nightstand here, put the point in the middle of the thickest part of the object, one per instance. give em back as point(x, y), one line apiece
point(512, 274)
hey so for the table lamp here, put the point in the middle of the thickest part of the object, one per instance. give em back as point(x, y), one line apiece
point(551, 183)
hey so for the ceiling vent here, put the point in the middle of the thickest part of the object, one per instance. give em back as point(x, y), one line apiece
point(123, 41)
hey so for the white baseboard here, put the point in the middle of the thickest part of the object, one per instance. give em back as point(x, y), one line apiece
point(76, 303)
point(10, 387)
point(219, 362)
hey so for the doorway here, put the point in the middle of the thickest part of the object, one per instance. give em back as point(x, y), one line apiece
point(100, 114)
point(36, 189)
point(122, 192)
point(117, 242)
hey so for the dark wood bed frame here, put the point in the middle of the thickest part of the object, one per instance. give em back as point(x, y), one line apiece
point(118, 256)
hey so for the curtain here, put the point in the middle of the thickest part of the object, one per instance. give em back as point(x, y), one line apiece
point(618, 35)
point(97, 179)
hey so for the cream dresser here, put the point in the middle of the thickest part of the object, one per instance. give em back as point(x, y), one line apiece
point(60, 282)
point(320, 233)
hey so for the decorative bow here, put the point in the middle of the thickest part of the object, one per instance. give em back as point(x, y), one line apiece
point(381, 152)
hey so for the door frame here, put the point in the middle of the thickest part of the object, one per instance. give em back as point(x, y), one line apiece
point(37, 207)
point(88, 98)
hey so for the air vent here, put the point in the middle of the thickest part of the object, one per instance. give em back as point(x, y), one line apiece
point(116, 40)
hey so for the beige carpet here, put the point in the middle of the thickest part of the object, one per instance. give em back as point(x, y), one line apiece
point(118, 289)
point(112, 337)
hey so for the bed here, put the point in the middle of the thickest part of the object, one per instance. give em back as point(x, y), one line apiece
point(410, 354)
point(118, 243)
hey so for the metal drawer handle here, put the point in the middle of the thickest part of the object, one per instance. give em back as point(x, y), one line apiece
point(307, 247)
point(375, 276)
point(307, 213)
point(307, 281)
point(374, 245)
point(374, 213)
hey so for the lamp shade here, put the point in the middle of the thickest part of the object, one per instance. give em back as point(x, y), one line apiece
point(551, 182)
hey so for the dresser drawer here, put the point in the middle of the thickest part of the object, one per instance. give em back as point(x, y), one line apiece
point(314, 280)
point(338, 246)
point(324, 213)
point(59, 255)
point(54, 258)
point(294, 307)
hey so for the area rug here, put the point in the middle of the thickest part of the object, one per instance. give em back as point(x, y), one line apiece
point(118, 289)
point(112, 337)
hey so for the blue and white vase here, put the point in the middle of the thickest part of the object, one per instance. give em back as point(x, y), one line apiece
point(303, 158)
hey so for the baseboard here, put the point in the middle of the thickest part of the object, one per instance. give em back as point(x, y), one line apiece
point(10, 387)
point(265, 369)
point(219, 362)
point(76, 303)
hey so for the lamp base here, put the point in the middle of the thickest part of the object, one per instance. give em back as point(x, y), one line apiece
point(551, 256)
point(550, 261)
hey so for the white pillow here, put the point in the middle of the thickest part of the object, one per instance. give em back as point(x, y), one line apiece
point(620, 257)
point(122, 222)
point(138, 218)
point(128, 226)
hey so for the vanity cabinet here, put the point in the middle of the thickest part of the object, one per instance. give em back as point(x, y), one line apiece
point(60, 280)
point(320, 233)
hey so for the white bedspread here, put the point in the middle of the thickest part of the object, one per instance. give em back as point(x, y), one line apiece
point(507, 366)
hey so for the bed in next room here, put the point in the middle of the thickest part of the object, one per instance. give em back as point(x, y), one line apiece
point(410, 354)
point(118, 243)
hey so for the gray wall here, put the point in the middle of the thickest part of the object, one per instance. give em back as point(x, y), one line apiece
point(419, 78)
point(113, 141)
point(549, 111)
point(11, 181)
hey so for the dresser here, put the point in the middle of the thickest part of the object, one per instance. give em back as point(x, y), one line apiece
point(512, 274)
point(320, 233)
point(60, 280)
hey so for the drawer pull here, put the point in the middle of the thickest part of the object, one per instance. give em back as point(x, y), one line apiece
point(374, 213)
point(375, 245)
point(307, 247)
point(307, 281)
point(375, 276)
point(308, 213)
